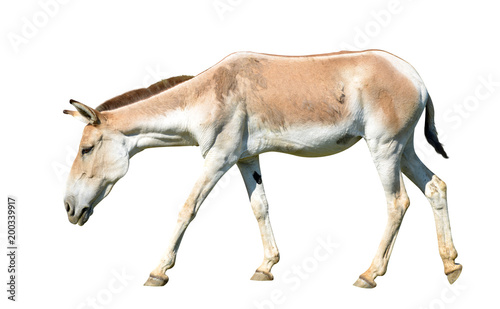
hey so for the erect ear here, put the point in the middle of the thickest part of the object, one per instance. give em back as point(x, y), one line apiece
point(84, 113)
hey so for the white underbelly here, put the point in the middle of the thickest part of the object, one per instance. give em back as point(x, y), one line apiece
point(306, 141)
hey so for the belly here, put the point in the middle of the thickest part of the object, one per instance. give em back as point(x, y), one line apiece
point(304, 141)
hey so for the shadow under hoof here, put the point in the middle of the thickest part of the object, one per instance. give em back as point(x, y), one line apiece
point(362, 283)
point(156, 281)
point(262, 276)
point(454, 274)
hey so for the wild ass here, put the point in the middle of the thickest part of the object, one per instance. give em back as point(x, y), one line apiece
point(250, 103)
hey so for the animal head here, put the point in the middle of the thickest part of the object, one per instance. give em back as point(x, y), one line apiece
point(102, 159)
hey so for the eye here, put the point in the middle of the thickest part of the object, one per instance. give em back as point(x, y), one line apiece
point(87, 150)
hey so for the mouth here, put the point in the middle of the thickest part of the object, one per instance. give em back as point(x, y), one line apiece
point(87, 212)
point(83, 217)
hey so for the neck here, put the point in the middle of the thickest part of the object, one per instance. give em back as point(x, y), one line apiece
point(160, 121)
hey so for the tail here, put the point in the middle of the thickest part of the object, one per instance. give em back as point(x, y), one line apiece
point(430, 129)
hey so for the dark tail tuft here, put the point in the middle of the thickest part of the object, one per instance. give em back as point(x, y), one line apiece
point(430, 129)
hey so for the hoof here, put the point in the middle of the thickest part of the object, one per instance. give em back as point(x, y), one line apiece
point(156, 281)
point(262, 276)
point(363, 283)
point(454, 274)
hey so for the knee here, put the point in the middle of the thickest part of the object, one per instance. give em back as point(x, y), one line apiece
point(187, 214)
point(260, 213)
point(260, 208)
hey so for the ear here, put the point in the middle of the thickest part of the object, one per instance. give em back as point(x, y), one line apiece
point(84, 113)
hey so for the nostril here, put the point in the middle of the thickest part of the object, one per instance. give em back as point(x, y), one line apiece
point(69, 209)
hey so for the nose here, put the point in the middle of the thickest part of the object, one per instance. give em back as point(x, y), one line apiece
point(69, 205)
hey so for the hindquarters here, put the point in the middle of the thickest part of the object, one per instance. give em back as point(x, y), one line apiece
point(393, 101)
point(393, 97)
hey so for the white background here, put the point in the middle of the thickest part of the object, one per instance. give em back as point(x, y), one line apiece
point(93, 50)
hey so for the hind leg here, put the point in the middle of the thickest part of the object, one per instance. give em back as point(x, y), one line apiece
point(386, 157)
point(435, 191)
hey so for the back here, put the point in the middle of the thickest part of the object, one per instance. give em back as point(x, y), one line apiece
point(283, 91)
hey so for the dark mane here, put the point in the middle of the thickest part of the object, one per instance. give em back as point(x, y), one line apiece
point(142, 93)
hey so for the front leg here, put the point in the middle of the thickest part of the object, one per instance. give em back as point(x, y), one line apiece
point(250, 170)
point(214, 168)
